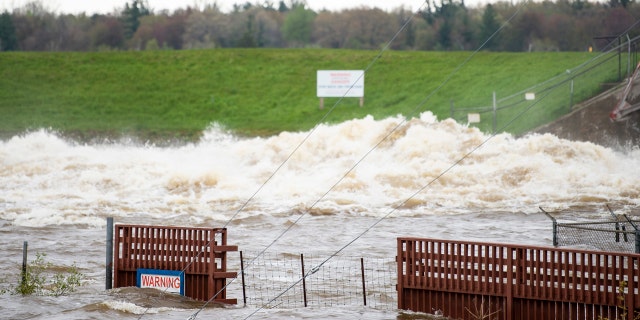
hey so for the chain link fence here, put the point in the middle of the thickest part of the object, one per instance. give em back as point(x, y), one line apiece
point(617, 233)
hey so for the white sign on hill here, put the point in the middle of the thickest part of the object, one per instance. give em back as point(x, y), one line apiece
point(340, 83)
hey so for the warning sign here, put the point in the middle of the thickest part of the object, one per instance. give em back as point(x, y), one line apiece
point(340, 83)
point(164, 280)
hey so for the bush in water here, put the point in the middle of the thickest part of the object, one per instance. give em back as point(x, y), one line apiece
point(43, 278)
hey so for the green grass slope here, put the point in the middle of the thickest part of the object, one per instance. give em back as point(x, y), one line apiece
point(177, 94)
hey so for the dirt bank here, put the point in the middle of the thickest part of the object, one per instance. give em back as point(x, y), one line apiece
point(589, 121)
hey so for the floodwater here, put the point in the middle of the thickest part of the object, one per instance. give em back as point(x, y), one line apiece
point(435, 179)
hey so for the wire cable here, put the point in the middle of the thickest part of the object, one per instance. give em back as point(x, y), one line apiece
point(307, 136)
point(311, 132)
point(400, 124)
point(548, 91)
point(394, 209)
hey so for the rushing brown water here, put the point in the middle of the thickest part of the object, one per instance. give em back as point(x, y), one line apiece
point(57, 195)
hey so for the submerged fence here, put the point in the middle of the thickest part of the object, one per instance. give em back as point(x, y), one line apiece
point(197, 255)
point(276, 280)
point(465, 280)
point(199, 258)
point(613, 233)
point(461, 280)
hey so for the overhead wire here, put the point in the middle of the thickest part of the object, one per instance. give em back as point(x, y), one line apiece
point(400, 124)
point(547, 91)
point(286, 160)
point(298, 146)
point(395, 208)
point(394, 129)
point(324, 117)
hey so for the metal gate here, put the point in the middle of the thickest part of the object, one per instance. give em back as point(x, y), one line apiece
point(199, 253)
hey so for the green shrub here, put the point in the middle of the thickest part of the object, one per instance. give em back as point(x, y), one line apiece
point(43, 278)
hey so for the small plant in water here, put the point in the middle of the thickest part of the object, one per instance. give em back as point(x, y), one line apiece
point(622, 306)
point(32, 278)
point(39, 279)
point(480, 313)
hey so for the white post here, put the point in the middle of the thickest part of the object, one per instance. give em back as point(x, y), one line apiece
point(495, 107)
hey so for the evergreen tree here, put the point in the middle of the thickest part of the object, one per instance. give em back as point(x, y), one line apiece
point(410, 38)
point(282, 7)
point(248, 40)
point(447, 13)
point(8, 39)
point(489, 26)
point(131, 17)
point(444, 35)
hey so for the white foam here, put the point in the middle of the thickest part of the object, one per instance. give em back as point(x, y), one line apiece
point(425, 164)
point(132, 308)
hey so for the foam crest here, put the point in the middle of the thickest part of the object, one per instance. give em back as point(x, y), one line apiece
point(362, 166)
point(131, 308)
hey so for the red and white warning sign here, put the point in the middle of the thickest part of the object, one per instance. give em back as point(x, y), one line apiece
point(164, 280)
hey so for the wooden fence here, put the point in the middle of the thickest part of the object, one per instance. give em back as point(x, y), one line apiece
point(201, 253)
point(472, 280)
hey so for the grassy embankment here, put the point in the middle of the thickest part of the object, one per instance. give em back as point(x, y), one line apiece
point(177, 94)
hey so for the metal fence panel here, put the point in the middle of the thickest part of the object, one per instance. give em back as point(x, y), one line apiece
point(201, 253)
point(474, 280)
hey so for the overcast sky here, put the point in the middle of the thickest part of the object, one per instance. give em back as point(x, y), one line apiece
point(108, 6)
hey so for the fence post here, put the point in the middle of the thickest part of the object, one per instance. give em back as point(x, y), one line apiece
point(619, 59)
point(24, 263)
point(109, 255)
point(244, 292)
point(555, 227)
point(400, 257)
point(364, 289)
point(617, 225)
point(304, 282)
point(637, 241)
point(495, 107)
point(571, 97)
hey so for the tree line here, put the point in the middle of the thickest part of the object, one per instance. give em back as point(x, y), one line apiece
point(562, 25)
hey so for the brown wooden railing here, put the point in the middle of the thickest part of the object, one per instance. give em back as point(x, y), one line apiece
point(474, 280)
point(200, 252)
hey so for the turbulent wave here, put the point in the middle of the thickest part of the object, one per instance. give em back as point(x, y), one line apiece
point(425, 166)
